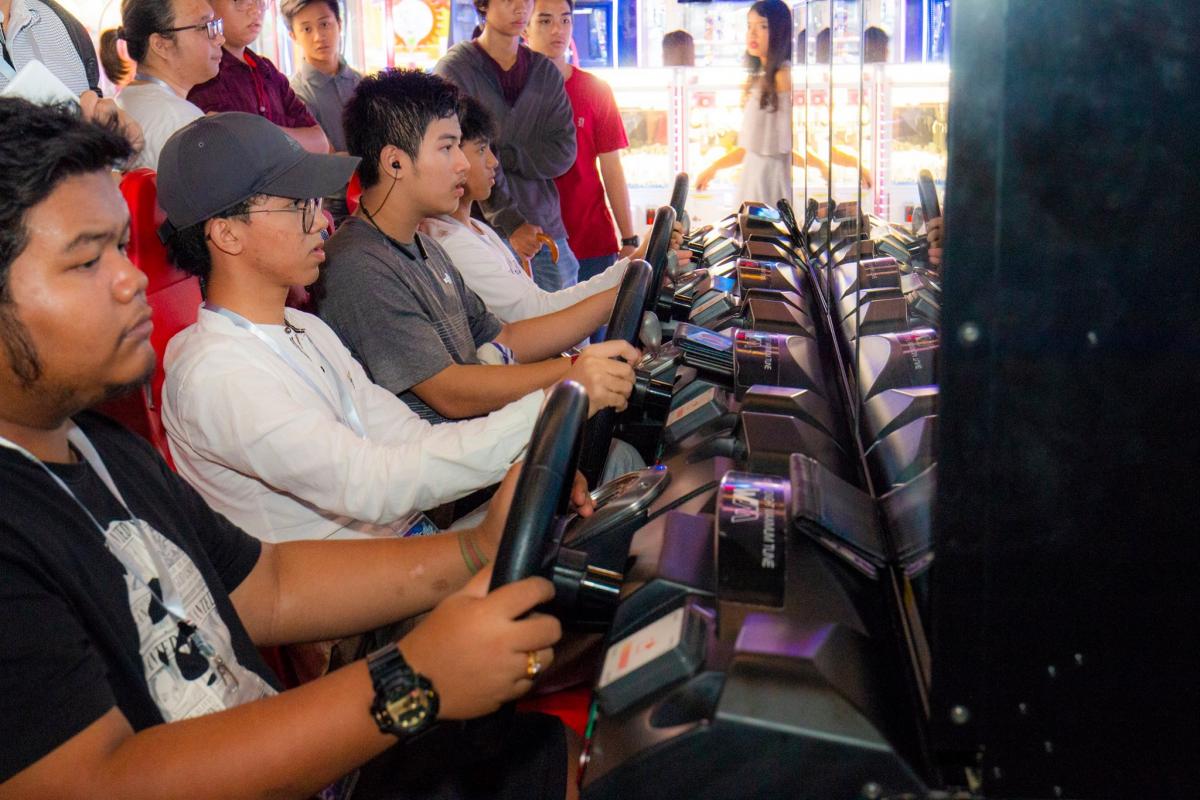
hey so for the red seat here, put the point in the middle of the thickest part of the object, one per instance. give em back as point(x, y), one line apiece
point(353, 192)
point(174, 298)
point(572, 706)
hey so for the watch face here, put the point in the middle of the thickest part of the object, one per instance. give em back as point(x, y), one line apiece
point(411, 709)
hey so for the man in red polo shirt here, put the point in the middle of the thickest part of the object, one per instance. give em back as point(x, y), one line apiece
point(251, 83)
point(599, 135)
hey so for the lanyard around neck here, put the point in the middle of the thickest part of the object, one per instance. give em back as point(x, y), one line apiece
point(169, 597)
point(141, 76)
point(348, 414)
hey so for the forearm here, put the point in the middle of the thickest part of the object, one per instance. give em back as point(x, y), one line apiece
point(311, 139)
point(394, 578)
point(730, 159)
point(287, 746)
point(546, 336)
point(470, 390)
point(613, 175)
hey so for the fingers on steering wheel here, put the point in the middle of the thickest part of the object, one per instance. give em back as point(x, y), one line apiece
point(517, 598)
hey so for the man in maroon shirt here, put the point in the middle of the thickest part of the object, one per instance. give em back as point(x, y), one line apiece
point(251, 83)
point(599, 135)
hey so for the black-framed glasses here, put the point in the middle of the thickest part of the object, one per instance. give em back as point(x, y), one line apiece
point(311, 210)
point(214, 28)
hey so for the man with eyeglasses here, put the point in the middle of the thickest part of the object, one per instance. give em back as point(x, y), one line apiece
point(176, 44)
point(130, 611)
point(251, 83)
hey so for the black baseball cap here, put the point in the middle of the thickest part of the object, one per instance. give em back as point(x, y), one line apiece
point(220, 160)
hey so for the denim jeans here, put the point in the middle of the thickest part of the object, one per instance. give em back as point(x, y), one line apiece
point(591, 267)
point(551, 276)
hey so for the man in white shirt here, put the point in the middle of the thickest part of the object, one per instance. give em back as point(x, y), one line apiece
point(488, 266)
point(268, 415)
point(176, 45)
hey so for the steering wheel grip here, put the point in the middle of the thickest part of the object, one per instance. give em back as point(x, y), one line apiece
point(656, 251)
point(544, 485)
point(679, 194)
point(927, 189)
point(624, 324)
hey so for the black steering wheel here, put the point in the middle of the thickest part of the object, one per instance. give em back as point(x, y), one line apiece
point(544, 486)
point(624, 324)
point(657, 249)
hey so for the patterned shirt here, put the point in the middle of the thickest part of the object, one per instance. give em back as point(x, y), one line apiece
point(33, 32)
point(255, 86)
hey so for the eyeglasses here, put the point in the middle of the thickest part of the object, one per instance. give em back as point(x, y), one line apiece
point(215, 28)
point(311, 210)
point(242, 6)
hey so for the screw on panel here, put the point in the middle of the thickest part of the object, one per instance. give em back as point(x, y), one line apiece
point(997, 773)
point(872, 791)
point(968, 333)
point(1079, 659)
point(959, 715)
point(1058, 791)
point(1023, 708)
point(1092, 338)
point(1052, 671)
point(1049, 746)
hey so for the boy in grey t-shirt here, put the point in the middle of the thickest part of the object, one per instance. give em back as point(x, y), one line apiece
point(397, 301)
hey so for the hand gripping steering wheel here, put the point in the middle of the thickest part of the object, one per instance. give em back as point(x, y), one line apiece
point(544, 486)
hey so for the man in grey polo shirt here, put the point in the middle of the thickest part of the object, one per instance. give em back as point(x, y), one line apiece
point(323, 79)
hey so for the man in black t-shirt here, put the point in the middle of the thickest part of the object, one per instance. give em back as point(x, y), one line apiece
point(126, 603)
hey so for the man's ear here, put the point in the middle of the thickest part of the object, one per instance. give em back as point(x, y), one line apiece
point(394, 162)
point(224, 236)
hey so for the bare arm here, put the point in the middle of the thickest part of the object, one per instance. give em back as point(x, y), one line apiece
point(613, 175)
point(730, 159)
point(311, 139)
point(543, 337)
point(460, 388)
point(291, 745)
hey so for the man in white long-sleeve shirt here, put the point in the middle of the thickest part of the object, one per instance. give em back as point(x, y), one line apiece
point(268, 415)
point(488, 266)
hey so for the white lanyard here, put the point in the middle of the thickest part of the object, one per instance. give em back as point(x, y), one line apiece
point(141, 76)
point(170, 597)
point(348, 414)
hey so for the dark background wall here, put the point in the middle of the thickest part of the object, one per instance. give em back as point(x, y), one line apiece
point(1065, 591)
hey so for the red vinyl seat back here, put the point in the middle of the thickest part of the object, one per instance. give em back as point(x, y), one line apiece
point(353, 193)
point(174, 298)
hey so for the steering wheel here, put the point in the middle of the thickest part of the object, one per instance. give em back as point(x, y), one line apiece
point(624, 325)
point(657, 250)
point(544, 486)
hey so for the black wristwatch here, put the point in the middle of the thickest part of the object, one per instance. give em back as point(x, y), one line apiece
point(632, 241)
point(405, 701)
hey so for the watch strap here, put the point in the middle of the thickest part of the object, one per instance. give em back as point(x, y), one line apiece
point(405, 701)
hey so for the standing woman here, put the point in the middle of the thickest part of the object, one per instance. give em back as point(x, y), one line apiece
point(765, 142)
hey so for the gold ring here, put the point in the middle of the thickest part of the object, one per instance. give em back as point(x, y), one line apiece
point(533, 666)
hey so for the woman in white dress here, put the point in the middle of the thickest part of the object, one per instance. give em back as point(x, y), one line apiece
point(764, 146)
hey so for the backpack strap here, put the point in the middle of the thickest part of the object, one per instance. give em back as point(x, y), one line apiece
point(83, 44)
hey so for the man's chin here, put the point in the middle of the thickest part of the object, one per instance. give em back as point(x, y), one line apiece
point(116, 390)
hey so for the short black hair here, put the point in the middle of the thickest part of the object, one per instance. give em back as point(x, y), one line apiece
point(291, 8)
point(66, 146)
point(187, 248)
point(475, 120)
point(394, 107)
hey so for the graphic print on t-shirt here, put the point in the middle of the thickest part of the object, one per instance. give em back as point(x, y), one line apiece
point(183, 680)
